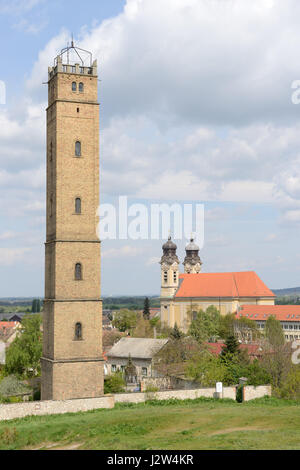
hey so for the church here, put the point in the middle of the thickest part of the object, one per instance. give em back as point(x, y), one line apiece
point(182, 295)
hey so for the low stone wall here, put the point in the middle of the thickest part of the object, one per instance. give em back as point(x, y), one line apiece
point(39, 408)
point(251, 392)
point(168, 383)
point(228, 392)
point(36, 408)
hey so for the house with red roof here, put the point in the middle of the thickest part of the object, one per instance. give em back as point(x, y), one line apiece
point(288, 315)
point(182, 295)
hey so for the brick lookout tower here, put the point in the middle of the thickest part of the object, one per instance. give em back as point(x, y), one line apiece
point(72, 364)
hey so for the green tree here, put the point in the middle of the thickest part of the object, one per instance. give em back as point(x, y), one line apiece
point(276, 353)
point(146, 311)
point(274, 332)
point(125, 320)
point(290, 389)
point(36, 306)
point(205, 325)
point(176, 333)
point(24, 353)
point(256, 374)
point(231, 346)
point(206, 369)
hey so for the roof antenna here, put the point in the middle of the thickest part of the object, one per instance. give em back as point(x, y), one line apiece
point(72, 42)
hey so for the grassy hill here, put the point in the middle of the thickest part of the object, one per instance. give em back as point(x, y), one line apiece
point(193, 424)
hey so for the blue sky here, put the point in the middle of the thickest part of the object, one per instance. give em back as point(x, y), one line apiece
point(195, 107)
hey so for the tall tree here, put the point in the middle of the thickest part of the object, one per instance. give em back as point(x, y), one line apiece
point(205, 325)
point(276, 352)
point(231, 346)
point(176, 333)
point(146, 311)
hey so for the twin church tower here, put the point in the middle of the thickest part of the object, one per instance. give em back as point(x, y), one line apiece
point(170, 266)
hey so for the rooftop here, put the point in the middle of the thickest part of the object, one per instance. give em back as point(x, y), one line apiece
point(139, 348)
point(236, 284)
point(262, 312)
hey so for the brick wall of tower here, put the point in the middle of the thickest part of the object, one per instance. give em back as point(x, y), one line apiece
point(72, 368)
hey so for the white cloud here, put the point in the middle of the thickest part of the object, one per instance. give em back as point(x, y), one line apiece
point(125, 251)
point(7, 235)
point(11, 256)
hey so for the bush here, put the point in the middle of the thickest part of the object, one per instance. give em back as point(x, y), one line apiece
point(290, 389)
point(11, 386)
point(114, 383)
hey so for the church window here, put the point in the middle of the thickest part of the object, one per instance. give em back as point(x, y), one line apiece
point(81, 87)
point(78, 272)
point(144, 371)
point(78, 331)
point(165, 276)
point(175, 276)
point(78, 205)
point(78, 149)
point(74, 86)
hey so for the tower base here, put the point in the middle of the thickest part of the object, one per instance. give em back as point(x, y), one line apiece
point(71, 379)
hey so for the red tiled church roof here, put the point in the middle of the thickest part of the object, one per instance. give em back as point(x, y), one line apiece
point(242, 284)
point(262, 312)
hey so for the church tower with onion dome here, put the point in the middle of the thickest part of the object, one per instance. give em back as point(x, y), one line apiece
point(192, 262)
point(169, 279)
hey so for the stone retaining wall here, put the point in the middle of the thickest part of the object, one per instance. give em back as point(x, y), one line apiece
point(36, 408)
point(251, 392)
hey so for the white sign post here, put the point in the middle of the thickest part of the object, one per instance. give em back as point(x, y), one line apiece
point(219, 389)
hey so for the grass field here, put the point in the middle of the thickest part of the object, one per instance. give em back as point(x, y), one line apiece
point(193, 424)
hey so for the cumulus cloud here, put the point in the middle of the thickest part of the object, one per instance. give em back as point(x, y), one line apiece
point(10, 256)
point(122, 252)
point(195, 105)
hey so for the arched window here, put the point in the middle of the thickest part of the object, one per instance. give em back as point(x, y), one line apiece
point(81, 86)
point(78, 331)
point(74, 86)
point(166, 276)
point(78, 205)
point(175, 276)
point(78, 149)
point(78, 272)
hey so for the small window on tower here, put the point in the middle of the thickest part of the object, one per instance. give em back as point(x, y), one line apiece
point(78, 332)
point(51, 206)
point(175, 276)
point(74, 86)
point(78, 149)
point(165, 276)
point(78, 272)
point(81, 87)
point(78, 205)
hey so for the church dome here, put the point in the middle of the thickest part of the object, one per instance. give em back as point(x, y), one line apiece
point(169, 245)
point(192, 246)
